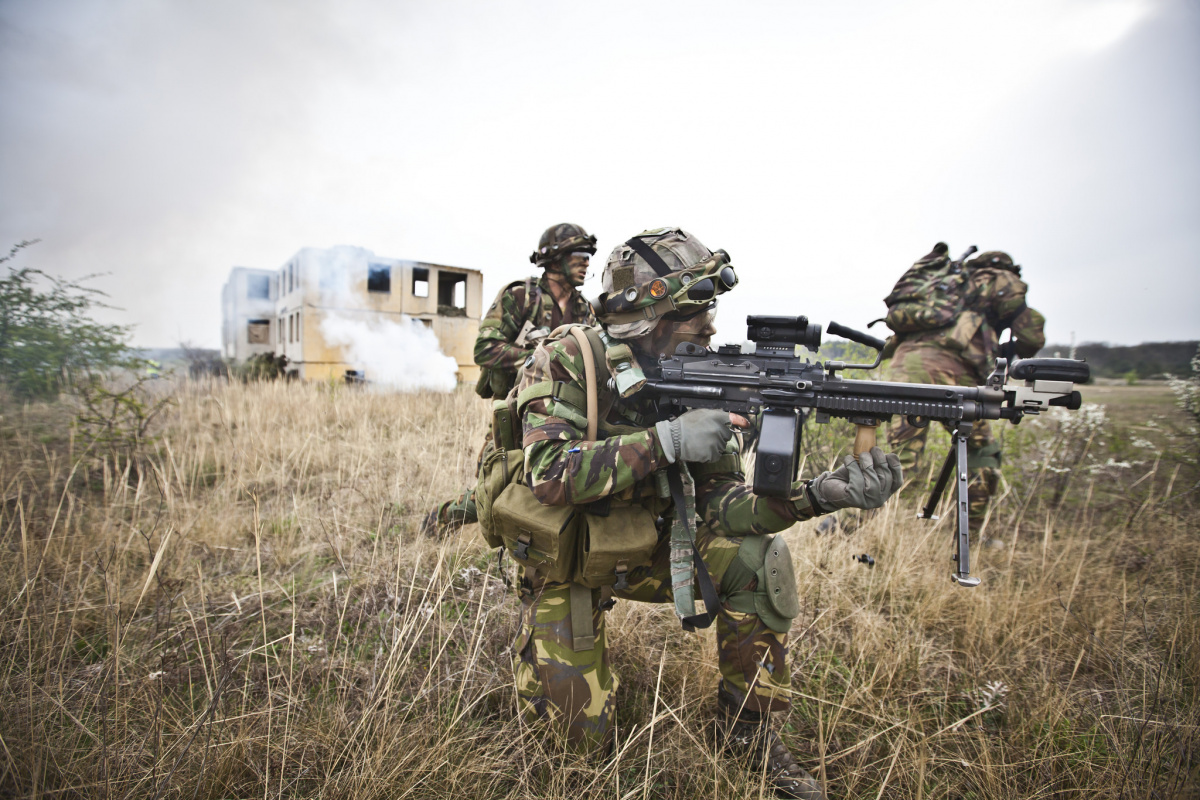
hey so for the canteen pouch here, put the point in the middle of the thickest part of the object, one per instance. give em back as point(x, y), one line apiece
point(539, 537)
point(613, 545)
point(505, 425)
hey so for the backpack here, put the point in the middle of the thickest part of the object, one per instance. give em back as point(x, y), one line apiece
point(593, 545)
point(932, 294)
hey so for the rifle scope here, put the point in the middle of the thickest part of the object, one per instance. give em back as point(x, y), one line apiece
point(783, 332)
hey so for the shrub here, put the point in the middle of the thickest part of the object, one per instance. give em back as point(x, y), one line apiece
point(47, 336)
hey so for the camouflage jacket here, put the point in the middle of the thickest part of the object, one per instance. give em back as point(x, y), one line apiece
point(496, 348)
point(985, 301)
point(563, 468)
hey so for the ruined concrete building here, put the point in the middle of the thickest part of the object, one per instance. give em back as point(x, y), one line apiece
point(247, 308)
point(351, 283)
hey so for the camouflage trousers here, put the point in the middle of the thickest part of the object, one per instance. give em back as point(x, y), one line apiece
point(574, 691)
point(924, 363)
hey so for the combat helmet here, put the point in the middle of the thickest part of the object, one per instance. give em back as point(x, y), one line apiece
point(562, 239)
point(659, 272)
point(997, 259)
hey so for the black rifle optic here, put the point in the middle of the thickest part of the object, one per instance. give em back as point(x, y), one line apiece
point(783, 388)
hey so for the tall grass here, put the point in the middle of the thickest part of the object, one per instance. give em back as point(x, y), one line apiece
point(247, 611)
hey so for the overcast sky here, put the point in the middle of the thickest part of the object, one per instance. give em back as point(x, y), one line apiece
point(825, 145)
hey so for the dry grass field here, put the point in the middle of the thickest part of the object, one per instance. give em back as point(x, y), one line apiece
point(242, 608)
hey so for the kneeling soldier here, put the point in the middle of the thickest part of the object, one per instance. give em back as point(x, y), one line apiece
point(597, 516)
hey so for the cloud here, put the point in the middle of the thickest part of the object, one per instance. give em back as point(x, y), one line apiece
point(823, 145)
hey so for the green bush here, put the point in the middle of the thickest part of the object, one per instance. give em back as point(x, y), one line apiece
point(47, 336)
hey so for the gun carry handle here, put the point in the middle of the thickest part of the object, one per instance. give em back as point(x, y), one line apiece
point(864, 438)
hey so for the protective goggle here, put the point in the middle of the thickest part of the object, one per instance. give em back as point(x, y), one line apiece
point(585, 244)
point(681, 293)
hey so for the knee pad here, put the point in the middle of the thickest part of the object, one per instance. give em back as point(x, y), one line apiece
point(765, 563)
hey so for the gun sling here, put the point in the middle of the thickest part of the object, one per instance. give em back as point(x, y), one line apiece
point(583, 632)
point(681, 571)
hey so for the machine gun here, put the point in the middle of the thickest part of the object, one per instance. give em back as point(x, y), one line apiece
point(783, 388)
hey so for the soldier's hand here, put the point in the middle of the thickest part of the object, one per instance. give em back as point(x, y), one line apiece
point(698, 435)
point(863, 482)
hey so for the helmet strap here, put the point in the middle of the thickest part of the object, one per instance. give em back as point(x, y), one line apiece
point(652, 258)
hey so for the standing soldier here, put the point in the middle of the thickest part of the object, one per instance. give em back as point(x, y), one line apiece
point(616, 501)
point(948, 317)
point(523, 313)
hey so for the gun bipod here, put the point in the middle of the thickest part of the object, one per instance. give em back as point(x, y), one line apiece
point(956, 461)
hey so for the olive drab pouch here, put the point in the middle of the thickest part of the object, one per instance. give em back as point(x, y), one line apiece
point(612, 545)
point(930, 295)
point(538, 536)
point(483, 386)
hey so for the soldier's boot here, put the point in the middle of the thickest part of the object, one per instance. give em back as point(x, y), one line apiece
point(748, 735)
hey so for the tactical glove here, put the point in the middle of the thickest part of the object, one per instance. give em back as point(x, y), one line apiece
point(865, 482)
point(697, 435)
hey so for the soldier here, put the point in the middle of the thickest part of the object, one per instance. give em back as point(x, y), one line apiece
point(660, 290)
point(948, 317)
point(523, 313)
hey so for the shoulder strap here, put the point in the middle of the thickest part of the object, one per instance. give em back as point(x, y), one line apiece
point(589, 372)
point(530, 301)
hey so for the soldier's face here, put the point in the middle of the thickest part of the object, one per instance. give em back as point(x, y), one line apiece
point(575, 268)
point(670, 333)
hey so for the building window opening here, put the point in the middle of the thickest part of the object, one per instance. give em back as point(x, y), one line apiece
point(379, 278)
point(258, 287)
point(420, 287)
point(258, 331)
point(452, 293)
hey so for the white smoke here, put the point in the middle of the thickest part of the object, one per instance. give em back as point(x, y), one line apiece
point(403, 355)
point(393, 351)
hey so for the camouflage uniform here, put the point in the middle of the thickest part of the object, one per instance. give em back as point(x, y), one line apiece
point(499, 354)
point(496, 349)
point(973, 303)
point(576, 689)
